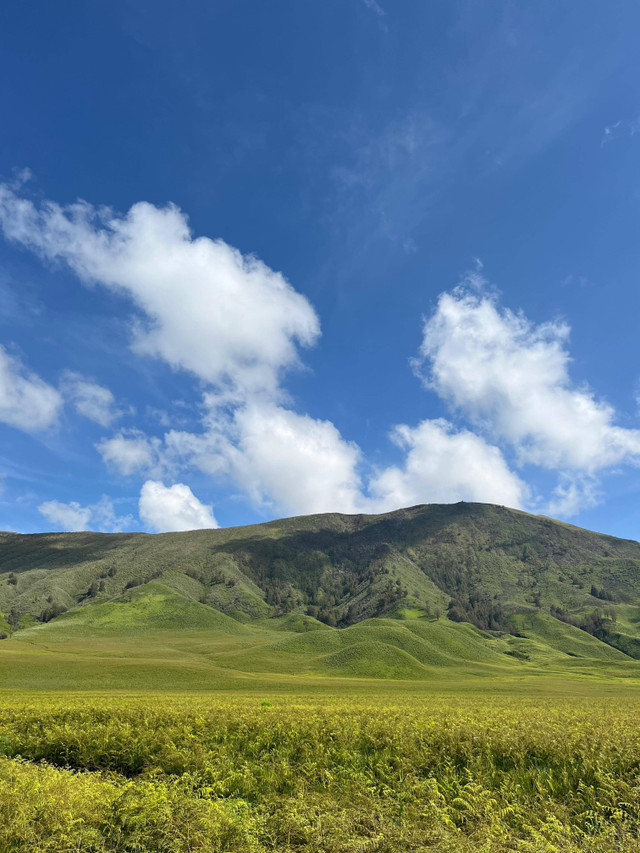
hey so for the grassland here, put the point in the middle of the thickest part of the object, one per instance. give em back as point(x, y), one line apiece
point(155, 638)
point(188, 699)
point(391, 735)
point(322, 771)
point(270, 598)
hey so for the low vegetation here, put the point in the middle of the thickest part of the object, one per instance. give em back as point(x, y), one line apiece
point(446, 678)
point(475, 563)
point(339, 775)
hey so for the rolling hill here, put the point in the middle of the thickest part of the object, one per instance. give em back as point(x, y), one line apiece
point(421, 591)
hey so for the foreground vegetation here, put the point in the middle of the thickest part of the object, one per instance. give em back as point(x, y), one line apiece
point(302, 773)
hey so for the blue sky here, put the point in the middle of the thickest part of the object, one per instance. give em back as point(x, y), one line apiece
point(264, 259)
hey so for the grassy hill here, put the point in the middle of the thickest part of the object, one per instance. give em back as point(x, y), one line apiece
point(426, 590)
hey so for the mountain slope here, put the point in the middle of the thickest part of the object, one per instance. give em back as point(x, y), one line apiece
point(535, 589)
point(151, 607)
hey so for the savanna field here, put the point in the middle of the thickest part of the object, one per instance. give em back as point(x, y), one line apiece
point(457, 678)
point(528, 768)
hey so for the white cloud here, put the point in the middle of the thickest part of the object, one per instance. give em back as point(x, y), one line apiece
point(237, 325)
point(290, 462)
point(26, 401)
point(228, 319)
point(297, 463)
point(89, 399)
point(103, 516)
point(129, 452)
point(73, 516)
point(173, 508)
point(204, 307)
point(573, 494)
point(443, 465)
point(512, 379)
point(160, 415)
point(620, 128)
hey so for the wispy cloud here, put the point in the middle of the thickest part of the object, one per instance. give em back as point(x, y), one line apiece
point(18, 305)
point(377, 9)
point(73, 516)
point(27, 402)
point(382, 184)
point(619, 129)
point(573, 280)
point(89, 399)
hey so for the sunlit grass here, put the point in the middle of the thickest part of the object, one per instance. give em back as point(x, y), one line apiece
point(321, 772)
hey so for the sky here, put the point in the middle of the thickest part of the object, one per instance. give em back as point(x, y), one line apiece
point(270, 259)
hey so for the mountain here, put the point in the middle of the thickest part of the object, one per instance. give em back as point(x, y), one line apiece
point(392, 594)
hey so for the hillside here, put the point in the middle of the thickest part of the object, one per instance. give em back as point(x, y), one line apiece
point(469, 585)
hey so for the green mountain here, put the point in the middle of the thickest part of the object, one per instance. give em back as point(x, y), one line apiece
point(404, 594)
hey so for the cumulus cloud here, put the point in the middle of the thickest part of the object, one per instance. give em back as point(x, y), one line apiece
point(173, 508)
point(73, 516)
point(293, 463)
point(203, 306)
point(443, 465)
point(89, 399)
point(130, 452)
point(511, 378)
point(26, 401)
point(304, 465)
point(298, 463)
point(237, 326)
point(283, 460)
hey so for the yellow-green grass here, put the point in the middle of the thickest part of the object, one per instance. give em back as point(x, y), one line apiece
point(154, 723)
point(324, 769)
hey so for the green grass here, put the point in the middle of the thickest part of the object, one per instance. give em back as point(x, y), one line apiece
point(152, 607)
point(387, 573)
point(154, 637)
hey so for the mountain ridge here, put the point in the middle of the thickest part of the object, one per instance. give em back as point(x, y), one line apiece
point(546, 587)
